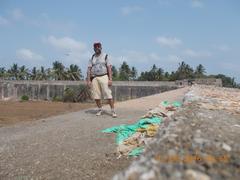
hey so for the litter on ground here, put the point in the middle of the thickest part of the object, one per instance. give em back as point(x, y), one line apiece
point(131, 138)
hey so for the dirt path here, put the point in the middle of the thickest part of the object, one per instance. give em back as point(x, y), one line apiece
point(15, 111)
point(70, 146)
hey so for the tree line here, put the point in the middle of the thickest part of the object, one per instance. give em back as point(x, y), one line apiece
point(124, 73)
point(184, 71)
point(57, 72)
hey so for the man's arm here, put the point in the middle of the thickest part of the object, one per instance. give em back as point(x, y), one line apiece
point(109, 69)
point(88, 75)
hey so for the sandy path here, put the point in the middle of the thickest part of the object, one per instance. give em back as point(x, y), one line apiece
point(70, 146)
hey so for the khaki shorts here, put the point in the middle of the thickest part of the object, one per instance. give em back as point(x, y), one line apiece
point(100, 88)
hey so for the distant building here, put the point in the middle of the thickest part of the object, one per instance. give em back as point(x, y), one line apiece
point(204, 81)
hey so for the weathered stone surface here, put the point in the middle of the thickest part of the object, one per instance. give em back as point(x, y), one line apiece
point(43, 92)
point(200, 141)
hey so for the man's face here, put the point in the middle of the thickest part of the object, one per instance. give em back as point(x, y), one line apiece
point(97, 49)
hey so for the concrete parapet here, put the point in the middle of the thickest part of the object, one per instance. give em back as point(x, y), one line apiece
point(47, 90)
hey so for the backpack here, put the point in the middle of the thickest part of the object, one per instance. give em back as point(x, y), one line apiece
point(106, 56)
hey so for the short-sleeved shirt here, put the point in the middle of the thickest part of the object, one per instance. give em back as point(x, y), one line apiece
point(99, 64)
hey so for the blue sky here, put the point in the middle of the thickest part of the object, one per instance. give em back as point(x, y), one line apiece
point(141, 32)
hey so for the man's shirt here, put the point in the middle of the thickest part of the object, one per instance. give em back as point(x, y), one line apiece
point(99, 64)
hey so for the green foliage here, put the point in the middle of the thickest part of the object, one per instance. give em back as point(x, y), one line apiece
point(124, 73)
point(133, 74)
point(155, 74)
point(3, 73)
point(57, 99)
point(114, 73)
point(69, 95)
point(199, 71)
point(14, 72)
point(83, 93)
point(184, 71)
point(58, 71)
point(226, 80)
point(24, 98)
point(80, 94)
point(74, 73)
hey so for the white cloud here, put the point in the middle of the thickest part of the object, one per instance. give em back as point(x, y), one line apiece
point(71, 50)
point(135, 58)
point(197, 3)
point(14, 15)
point(17, 14)
point(66, 43)
point(140, 57)
point(3, 21)
point(44, 21)
point(28, 55)
point(222, 47)
point(154, 56)
point(173, 58)
point(143, 61)
point(168, 41)
point(196, 54)
point(164, 2)
point(130, 9)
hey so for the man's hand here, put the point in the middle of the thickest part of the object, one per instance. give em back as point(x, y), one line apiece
point(89, 83)
point(109, 82)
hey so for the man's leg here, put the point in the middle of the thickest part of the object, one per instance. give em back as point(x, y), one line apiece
point(98, 102)
point(111, 103)
point(99, 105)
point(96, 92)
point(107, 93)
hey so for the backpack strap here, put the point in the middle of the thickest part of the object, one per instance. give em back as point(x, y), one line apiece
point(106, 56)
point(92, 57)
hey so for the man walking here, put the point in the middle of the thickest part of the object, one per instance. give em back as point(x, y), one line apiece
point(99, 78)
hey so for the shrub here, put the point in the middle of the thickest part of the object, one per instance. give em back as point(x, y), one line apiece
point(69, 95)
point(24, 98)
point(57, 99)
point(84, 93)
point(79, 94)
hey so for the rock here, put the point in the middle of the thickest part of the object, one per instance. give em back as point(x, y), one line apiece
point(200, 140)
point(195, 175)
point(226, 147)
point(171, 152)
point(148, 175)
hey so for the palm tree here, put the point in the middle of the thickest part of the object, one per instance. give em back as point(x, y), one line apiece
point(74, 73)
point(166, 76)
point(155, 74)
point(184, 71)
point(33, 75)
point(23, 73)
point(14, 72)
point(41, 74)
point(160, 74)
point(114, 73)
point(200, 71)
point(124, 71)
point(152, 74)
point(133, 73)
point(58, 71)
point(2, 73)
